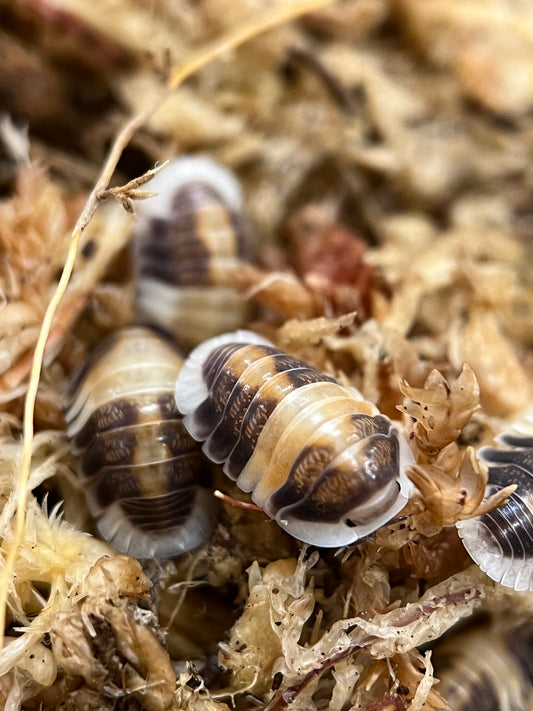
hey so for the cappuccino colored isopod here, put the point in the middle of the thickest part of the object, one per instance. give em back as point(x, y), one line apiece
point(189, 240)
point(501, 541)
point(143, 475)
point(317, 457)
point(486, 667)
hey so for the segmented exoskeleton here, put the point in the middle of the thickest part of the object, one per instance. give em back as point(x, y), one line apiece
point(189, 240)
point(143, 474)
point(486, 669)
point(501, 541)
point(316, 456)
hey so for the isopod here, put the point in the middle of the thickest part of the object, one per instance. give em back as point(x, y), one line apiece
point(501, 541)
point(143, 475)
point(486, 668)
point(189, 240)
point(317, 458)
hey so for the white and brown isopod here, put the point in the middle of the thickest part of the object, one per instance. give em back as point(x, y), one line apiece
point(317, 458)
point(486, 669)
point(189, 240)
point(143, 474)
point(501, 541)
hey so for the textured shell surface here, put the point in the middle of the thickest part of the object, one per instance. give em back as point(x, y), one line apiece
point(144, 476)
point(188, 241)
point(317, 457)
point(486, 669)
point(501, 541)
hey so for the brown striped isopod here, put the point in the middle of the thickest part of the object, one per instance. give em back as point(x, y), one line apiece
point(501, 541)
point(143, 474)
point(189, 240)
point(486, 669)
point(317, 458)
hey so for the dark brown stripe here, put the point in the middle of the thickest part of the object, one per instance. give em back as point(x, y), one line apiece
point(174, 250)
point(215, 361)
point(174, 435)
point(111, 448)
point(188, 470)
point(520, 457)
point(167, 406)
point(224, 437)
point(112, 415)
point(173, 268)
point(121, 446)
point(122, 482)
point(309, 465)
point(252, 425)
point(167, 243)
point(329, 494)
point(160, 513)
point(209, 413)
point(464, 693)
point(115, 484)
point(258, 413)
point(306, 468)
point(366, 425)
point(520, 643)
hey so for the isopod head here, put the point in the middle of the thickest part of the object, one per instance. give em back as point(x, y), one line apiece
point(316, 456)
point(143, 475)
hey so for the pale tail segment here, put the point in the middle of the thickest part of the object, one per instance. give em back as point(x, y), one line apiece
point(317, 457)
point(501, 541)
point(189, 240)
point(143, 475)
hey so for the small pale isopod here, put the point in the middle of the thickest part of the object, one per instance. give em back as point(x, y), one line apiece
point(189, 240)
point(501, 541)
point(143, 474)
point(317, 458)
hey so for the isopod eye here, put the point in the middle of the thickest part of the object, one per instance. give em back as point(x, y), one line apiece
point(190, 240)
point(144, 476)
point(501, 541)
point(312, 452)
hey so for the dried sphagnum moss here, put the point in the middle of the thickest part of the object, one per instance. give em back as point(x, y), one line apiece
point(425, 162)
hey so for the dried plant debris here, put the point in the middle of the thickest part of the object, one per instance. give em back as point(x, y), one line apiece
point(383, 148)
point(34, 234)
point(440, 410)
point(265, 642)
